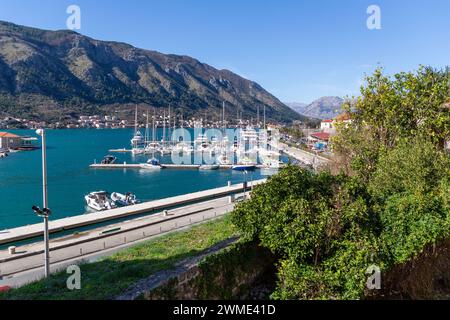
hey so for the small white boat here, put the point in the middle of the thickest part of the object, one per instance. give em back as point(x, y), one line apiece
point(152, 164)
point(135, 151)
point(99, 201)
point(124, 199)
point(209, 167)
point(153, 147)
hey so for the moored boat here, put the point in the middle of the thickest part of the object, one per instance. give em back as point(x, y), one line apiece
point(152, 164)
point(99, 201)
point(124, 199)
point(209, 167)
point(109, 159)
point(243, 167)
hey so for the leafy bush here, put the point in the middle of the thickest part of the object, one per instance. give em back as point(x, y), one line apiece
point(392, 201)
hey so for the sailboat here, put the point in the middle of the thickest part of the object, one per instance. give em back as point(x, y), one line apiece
point(138, 140)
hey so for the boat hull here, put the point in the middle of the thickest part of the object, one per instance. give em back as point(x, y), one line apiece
point(243, 167)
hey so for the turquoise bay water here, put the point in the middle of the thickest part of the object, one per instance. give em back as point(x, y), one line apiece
point(69, 154)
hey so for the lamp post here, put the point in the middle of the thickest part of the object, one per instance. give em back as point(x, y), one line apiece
point(245, 184)
point(45, 212)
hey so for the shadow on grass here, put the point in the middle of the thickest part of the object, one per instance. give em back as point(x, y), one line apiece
point(99, 280)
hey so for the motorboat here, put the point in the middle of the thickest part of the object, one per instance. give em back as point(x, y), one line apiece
point(153, 147)
point(183, 147)
point(136, 151)
point(124, 199)
point(223, 159)
point(201, 143)
point(138, 140)
point(109, 159)
point(4, 153)
point(209, 167)
point(152, 164)
point(244, 165)
point(99, 201)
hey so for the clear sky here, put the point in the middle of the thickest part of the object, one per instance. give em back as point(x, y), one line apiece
point(298, 50)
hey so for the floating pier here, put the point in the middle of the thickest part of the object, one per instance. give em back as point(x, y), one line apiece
point(163, 166)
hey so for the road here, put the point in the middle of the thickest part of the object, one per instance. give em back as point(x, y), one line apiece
point(303, 156)
point(27, 264)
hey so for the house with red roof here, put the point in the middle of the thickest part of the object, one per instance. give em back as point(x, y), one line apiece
point(10, 141)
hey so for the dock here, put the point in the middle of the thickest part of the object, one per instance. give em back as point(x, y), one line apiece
point(163, 166)
point(35, 230)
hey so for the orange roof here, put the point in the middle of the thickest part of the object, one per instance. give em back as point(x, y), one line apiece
point(343, 117)
point(321, 136)
point(327, 121)
point(8, 135)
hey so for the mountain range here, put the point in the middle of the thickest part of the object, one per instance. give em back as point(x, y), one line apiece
point(51, 75)
point(322, 108)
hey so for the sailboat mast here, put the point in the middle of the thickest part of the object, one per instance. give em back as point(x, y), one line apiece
point(135, 121)
point(223, 115)
point(264, 117)
point(154, 130)
point(147, 133)
point(168, 123)
point(257, 117)
point(164, 127)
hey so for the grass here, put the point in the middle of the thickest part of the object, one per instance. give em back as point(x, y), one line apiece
point(112, 275)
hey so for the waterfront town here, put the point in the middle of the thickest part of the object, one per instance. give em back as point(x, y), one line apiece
point(239, 159)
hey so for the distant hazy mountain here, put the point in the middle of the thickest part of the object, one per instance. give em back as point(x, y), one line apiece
point(322, 108)
point(56, 74)
point(296, 106)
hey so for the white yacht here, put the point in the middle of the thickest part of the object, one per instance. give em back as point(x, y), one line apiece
point(99, 201)
point(182, 147)
point(201, 143)
point(223, 159)
point(153, 147)
point(124, 199)
point(209, 167)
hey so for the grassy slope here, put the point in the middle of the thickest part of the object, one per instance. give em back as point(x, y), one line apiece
point(110, 276)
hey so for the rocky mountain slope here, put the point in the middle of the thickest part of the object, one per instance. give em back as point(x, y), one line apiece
point(322, 108)
point(57, 74)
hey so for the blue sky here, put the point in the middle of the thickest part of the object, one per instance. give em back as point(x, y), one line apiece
point(298, 50)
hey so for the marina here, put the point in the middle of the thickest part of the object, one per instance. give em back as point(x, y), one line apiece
point(165, 166)
point(70, 177)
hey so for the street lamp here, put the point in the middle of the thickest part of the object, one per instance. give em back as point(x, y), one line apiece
point(45, 212)
point(245, 184)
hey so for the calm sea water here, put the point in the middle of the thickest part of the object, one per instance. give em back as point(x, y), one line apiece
point(69, 154)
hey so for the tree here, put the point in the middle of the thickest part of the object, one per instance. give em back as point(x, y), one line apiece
point(390, 109)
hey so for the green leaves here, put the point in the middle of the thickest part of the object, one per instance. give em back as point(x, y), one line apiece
point(394, 200)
